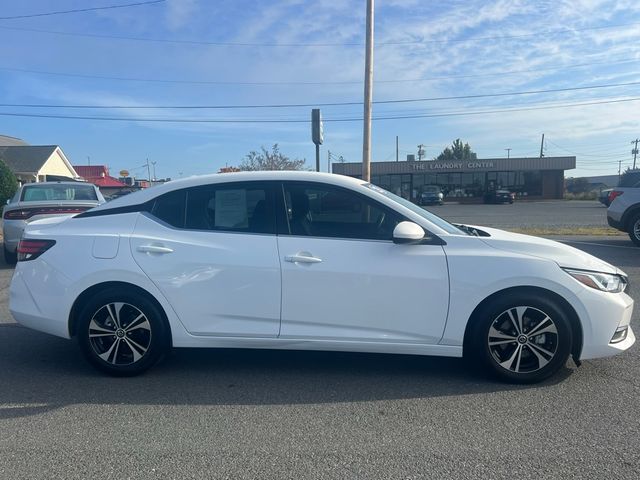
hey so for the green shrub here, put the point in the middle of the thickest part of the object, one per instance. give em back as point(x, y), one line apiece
point(581, 196)
point(8, 183)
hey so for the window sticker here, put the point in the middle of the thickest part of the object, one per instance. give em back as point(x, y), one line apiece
point(231, 209)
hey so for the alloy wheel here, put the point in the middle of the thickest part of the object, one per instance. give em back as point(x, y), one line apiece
point(636, 229)
point(120, 333)
point(523, 339)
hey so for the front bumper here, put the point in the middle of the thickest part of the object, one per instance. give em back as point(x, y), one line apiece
point(607, 313)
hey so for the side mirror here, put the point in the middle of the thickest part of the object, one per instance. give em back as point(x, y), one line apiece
point(408, 232)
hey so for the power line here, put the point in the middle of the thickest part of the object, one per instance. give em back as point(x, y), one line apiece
point(583, 154)
point(346, 82)
point(321, 104)
point(77, 10)
point(354, 119)
point(295, 44)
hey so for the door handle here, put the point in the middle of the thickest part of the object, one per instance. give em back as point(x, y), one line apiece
point(154, 249)
point(302, 257)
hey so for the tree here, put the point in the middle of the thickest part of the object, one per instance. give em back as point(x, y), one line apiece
point(228, 169)
point(457, 151)
point(270, 160)
point(8, 183)
point(629, 178)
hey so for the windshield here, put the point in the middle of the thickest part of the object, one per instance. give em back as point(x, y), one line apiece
point(57, 192)
point(436, 220)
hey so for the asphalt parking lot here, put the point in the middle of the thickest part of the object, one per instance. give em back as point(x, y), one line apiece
point(267, 414)
point(552, 213)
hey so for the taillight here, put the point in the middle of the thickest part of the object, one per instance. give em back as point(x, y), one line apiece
point(613, 194)
point(17, 214)
point(29, 249)
point(24, 213)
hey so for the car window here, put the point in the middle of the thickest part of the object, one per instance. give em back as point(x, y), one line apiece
point(239, 207)
point(326, 211)
point(53, 192)
point(443, 224)
point(170, 208)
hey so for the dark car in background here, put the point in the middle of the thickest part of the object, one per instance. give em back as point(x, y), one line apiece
point(499, 196)
point(431, 195)
point(603, 196)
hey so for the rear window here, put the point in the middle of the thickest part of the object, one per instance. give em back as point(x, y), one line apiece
point(43, 193)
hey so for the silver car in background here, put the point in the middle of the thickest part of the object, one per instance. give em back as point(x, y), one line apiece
point(34, 201)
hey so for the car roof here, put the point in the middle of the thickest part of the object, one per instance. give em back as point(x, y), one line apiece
point(143, 196)
point(44, 184)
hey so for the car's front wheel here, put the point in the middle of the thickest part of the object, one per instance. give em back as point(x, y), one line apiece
point(121, 332)
point(634, 229)
point(521, 338)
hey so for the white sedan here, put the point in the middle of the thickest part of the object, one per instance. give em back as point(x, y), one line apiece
point(310, 261)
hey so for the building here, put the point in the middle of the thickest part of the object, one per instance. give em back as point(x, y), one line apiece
point(600, 182)
point(469, 180)
point(99, 176)
point(35, 163)
point(7, 141)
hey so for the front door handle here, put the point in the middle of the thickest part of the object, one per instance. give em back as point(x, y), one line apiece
point(302, 257)
point(154, 249)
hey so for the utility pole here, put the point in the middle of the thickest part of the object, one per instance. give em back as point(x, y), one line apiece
point(508, 152)
point(420, 152)
point(619, 169)
point(542, 146)
point(328, 161)
point(368, 95)
point(396, 148)
point(89, 160)
point(635, 151)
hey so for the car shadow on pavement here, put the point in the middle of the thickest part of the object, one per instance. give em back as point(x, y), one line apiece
point(39, 373)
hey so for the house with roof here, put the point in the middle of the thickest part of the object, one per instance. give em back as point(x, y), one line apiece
point(35, 163)
point(99, 176)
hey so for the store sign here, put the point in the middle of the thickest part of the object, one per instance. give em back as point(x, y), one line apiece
point(452, 165)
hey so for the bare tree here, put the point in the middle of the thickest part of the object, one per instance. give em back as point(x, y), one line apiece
point(270, 160)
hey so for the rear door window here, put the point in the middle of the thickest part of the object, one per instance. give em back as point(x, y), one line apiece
point(232, 207)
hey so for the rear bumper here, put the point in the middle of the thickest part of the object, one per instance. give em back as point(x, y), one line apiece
point(614, 223)
point(48, 313)
point(12, 231)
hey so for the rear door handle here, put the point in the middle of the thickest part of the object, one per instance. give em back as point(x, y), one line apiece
point(154, 249)
point(302, 257)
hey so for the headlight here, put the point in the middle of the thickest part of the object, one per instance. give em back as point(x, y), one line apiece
point(606, 282)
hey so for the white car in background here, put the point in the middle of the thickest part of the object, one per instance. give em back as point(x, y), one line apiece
point(34, 201)
point(310, 261)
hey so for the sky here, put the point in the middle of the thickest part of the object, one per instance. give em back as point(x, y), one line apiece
point(203, 53)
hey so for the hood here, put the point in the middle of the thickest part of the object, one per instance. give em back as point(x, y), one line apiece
point(562, 254)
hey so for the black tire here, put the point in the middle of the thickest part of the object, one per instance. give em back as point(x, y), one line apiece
point(494, 340)
point(10, 258)
point(142, 343)
point(634, 229)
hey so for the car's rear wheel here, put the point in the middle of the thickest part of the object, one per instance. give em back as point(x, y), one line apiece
point(634, 229)
point(521, 338)
point(122, 333)
point(10, 257)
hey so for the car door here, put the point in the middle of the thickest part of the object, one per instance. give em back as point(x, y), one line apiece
point(212, 251)
point(343, 278)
